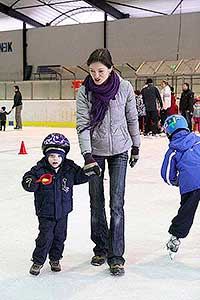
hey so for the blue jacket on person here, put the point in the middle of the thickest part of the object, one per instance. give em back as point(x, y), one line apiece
point(54, 200)
point(181, 165)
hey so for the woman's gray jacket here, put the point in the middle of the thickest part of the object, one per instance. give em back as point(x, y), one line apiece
point(119, 129)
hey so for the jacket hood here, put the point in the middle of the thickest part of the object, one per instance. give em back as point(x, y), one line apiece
point(183, 140)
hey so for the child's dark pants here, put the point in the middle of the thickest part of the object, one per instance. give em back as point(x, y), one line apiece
point(51, 238)
point(182, 223)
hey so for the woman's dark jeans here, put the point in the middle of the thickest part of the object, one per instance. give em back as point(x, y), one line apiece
point(109, 242)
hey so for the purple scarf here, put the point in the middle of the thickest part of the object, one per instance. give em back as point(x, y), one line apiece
point(101, 96)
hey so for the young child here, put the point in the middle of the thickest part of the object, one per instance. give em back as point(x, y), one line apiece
point(3, 114)
point(196, 115)
point(52, 181)
point(181, 167)
point(140, 109)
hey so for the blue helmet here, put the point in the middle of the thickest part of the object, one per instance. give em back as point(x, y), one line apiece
point(55, 140)
point(174, 123)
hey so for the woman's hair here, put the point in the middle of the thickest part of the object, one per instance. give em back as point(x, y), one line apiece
point(165, 82)
point(187, 84)
point(16, 87)
point(101, 55)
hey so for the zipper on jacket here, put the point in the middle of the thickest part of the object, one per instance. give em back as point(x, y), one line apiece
point(110, 135)
point(54, 188)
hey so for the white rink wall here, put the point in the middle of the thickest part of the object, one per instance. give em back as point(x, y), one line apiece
point(55, 113)
point(45, 102)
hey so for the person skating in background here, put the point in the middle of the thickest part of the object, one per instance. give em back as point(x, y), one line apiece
point(3, 114)
point(196, 115)
point(186, 104)
point(140, 109)
point(151, 97)
point(166, 100)
point(173, 110)
point(52, 181)
point(18, 107)
point(181, 167)
point(107, 127)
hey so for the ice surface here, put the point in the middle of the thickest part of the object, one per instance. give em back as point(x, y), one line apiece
point(150, 206)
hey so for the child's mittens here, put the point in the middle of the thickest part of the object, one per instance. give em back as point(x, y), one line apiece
point(29, 183)
point(91, 166)
point(45, 179)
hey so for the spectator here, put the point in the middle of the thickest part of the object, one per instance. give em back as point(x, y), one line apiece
point(173, 110)
point(151, 95)
point(166, 99)
point(18, 107)
point(186, 104)
point(140, 109)
point(196, 115)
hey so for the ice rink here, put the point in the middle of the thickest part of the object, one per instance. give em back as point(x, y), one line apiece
point(150, 206)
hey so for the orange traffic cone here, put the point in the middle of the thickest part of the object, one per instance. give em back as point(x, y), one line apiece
point(22, 149)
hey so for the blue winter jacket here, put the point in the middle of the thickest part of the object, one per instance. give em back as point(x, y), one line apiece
point(53, 200)
point(181, 165)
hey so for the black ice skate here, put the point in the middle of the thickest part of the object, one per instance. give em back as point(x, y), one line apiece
point(117, 270)
point(55, 266)
point(35, 269)
point(98, 260)
point(173, 246)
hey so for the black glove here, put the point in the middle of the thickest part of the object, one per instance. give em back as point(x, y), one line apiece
point(91, 166)
point(134, 156)
point(29, 183)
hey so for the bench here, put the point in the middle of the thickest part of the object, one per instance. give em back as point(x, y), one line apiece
point(47, 71)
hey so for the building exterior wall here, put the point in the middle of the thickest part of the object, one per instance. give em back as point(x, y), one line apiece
point(129, 40)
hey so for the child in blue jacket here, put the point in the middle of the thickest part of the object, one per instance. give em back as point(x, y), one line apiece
point(52, 181)
point(181, 167)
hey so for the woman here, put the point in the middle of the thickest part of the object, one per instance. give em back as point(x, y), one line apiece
point(186, 104)
point(107, 126)
point(166, 100)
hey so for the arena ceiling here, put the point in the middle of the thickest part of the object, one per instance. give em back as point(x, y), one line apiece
point(40, 13)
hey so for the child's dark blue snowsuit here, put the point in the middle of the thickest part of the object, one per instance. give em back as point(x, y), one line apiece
point(52, 202)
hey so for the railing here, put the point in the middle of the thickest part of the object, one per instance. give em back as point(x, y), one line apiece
point(47, 72)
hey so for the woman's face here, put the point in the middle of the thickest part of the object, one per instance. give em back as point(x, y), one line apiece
point(184, 87)
point(99, 72)
point(163, 84)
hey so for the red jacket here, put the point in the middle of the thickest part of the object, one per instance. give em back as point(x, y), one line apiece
point(173, 110)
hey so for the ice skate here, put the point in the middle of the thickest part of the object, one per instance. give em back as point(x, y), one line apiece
point(117, 269)
point(55, 266)
point(173, 246)
point(98, 260)
point(35, 269)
